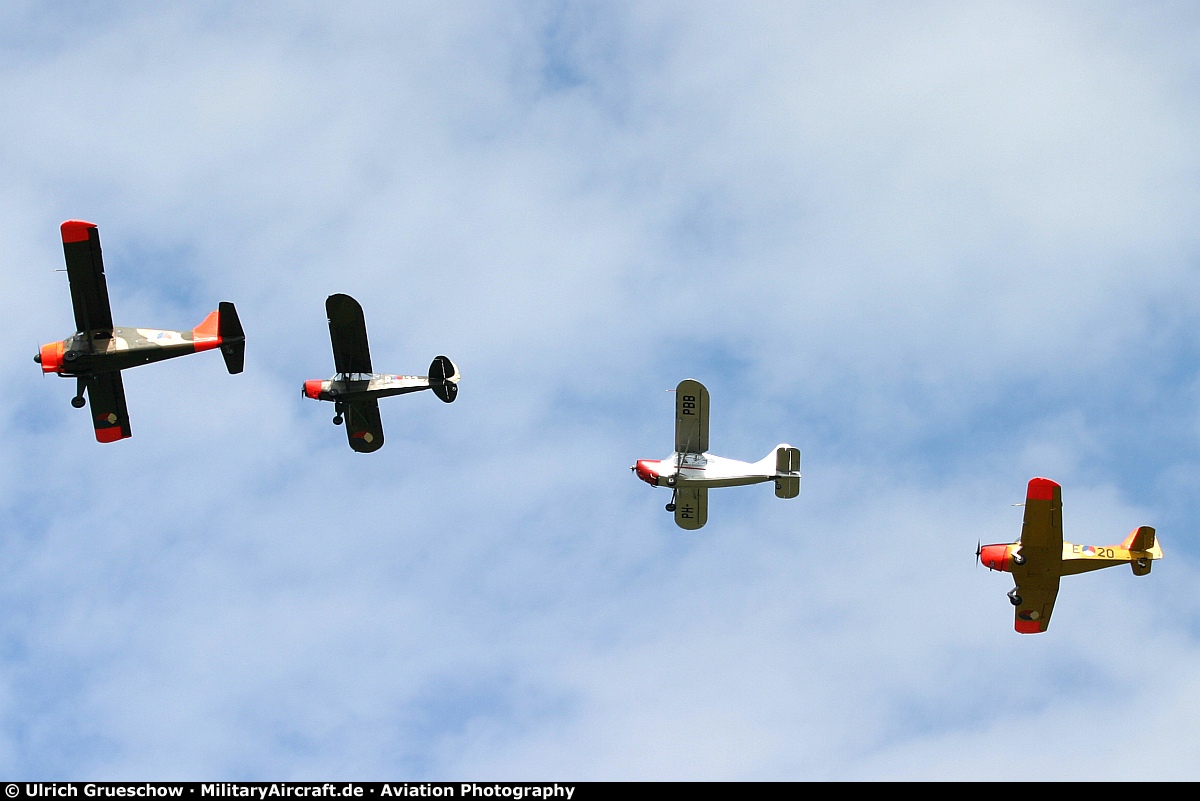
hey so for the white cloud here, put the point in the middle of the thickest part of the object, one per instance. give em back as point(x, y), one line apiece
point(938, 249)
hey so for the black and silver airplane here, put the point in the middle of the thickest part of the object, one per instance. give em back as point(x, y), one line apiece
point(355, 390)
point(99, 351)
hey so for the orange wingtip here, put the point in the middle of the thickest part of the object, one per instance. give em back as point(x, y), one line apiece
point(1041, 489)
point(1027, 626)
point(76, 230)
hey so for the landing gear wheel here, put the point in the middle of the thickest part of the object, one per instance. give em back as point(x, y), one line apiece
point(78, 403)
point(1018, 559)
point(70, 356)
point(670, 507)
point(670, 481)
point(1014, 599)
point(337, 421)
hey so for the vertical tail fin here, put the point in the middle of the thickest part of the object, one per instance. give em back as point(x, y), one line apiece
point(443, 379)
point(1141, 539)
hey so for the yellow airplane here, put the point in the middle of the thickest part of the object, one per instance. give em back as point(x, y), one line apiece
point(1040, 558)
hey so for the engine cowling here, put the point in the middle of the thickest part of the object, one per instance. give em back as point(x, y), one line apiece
point(51, 357)
point(645, 472)
point(996, 557)
point(312, 388)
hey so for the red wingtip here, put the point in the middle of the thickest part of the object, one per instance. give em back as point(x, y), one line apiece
point(109, 434)
point(1028, 627)
point(1041, 489)
point(76, 230)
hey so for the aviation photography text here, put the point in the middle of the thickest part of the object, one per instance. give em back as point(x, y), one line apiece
point(265, 790)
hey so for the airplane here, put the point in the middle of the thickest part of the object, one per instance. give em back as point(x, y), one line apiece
point(355, 390)
point(1040, 558)
point(99, 351)
point(691, 469)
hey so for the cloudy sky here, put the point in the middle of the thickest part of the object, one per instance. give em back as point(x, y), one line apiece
point(941, 248)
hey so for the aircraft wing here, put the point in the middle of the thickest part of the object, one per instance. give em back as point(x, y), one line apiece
point(348, 332)
point(110, 418)
point(1038, 592)
point(1042, 530)
point(363, 426)
point(85, 272)
point(691, 418)
point(691, 507)
point(1041, 545)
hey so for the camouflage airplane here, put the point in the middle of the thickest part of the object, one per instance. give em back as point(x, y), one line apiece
point(691, 470)
point(355, 390)
point(1040, 558)
point(98, 352)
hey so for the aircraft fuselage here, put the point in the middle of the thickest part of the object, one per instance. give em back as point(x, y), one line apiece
point(95, 352)
point(704, 470)
point(349, 387)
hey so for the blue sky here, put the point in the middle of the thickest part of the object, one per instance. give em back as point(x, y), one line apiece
point(940, 249)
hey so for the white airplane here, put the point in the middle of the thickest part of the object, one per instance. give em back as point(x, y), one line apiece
point(691, 469)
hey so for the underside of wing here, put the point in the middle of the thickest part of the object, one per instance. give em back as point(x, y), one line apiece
point(106, 396)
point(348, 333)
point(364, 429)
point(691, 417)
point(85, 272)
point(691, 507)
point(1042, 530)
point(1037, 594)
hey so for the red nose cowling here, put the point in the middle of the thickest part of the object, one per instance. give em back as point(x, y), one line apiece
point(645, 473)
point(312, 389)
point(51, 357)
point(994, 557)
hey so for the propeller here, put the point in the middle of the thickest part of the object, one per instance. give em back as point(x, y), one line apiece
point(978, 553)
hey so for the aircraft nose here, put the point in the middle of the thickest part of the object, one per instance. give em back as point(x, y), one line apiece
point(645, 473)
point(994, 557)
point(312, 389)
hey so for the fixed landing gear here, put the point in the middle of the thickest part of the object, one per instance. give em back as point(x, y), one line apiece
point(1013, 598)
point(671, 505)
point(78, 402)
point(1018, 558)
point(338, 411)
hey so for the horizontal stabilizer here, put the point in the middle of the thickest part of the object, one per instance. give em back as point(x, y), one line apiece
point(1140, 539)
point(787, 486)
point(443, 379)
point(233, 339)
